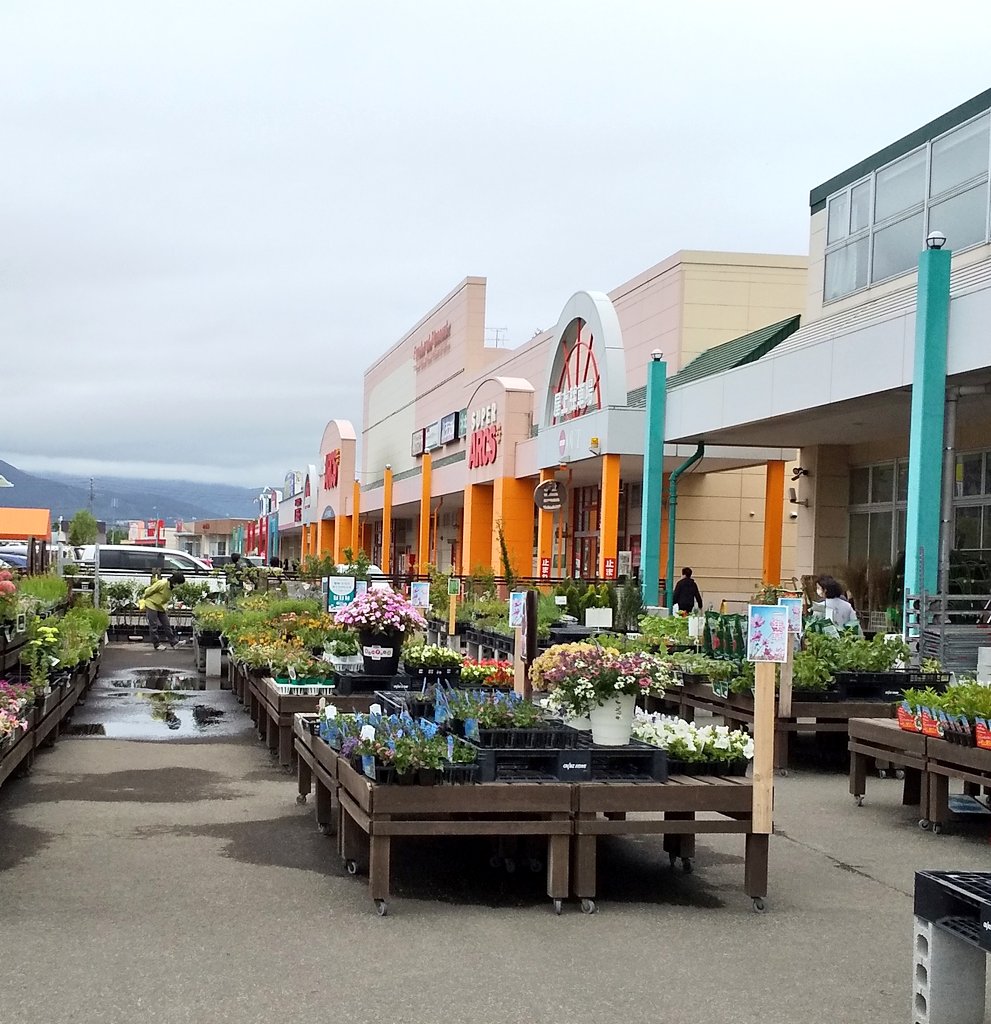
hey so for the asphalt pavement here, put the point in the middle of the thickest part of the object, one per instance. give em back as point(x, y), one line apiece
point(177, 880)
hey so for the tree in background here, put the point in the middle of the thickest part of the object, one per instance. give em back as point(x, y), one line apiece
point(83, 528)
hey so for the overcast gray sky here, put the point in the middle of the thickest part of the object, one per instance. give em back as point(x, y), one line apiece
point(214, 215)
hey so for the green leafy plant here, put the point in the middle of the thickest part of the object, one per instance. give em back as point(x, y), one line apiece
point(43, 592)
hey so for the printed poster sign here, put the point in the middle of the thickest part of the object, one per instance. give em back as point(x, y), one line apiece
point(419, 594)
point(794, 606)
point(341, 591)
point(517, 609)
point(453, 586)
point(767, 633)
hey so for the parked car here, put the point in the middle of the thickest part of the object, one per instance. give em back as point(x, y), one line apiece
point(218, 561)
point(379, 583)
point(12, 560)
point(138, 563)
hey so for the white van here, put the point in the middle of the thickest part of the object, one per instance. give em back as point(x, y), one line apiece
point(137, 562)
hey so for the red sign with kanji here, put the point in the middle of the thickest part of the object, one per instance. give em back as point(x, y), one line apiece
point(545, 568)
point(331, 469)
point(609, 568)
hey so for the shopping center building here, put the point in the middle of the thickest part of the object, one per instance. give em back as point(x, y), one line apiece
point(771, 360)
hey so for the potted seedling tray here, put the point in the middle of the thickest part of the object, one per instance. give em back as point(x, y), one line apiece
point(546, 736)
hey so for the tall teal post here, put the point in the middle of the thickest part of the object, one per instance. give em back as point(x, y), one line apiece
point(653, 478)
point(925, 448)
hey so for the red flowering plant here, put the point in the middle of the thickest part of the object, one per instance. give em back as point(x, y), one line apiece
point(487, 672)
point(8, 597)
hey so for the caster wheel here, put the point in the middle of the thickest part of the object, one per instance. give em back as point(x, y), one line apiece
point(882, 773)
point(673, 859)
point(924, 823)
point(536, 866)
point(557, 907)
point(900, 773)
point(859, 798)
point(686, 865)
point(759, 906)
point(301, 798)
point(352, 867)
point(495, 862)
point(325, 829)
point(588, 906)
point(937, 828)
point(381, 908)
point(510, 866)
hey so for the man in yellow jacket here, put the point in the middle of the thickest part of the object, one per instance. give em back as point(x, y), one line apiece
point(154, 600)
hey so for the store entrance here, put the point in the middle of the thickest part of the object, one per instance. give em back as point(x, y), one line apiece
point(586, 532)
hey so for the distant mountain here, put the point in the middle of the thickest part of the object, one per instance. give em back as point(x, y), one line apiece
point(122, 498)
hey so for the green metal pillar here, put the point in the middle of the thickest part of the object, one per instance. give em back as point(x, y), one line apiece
point(925, 462)
point(673, 521)
point(653, 479)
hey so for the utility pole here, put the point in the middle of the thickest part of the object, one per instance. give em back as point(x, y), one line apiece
point(91, 494)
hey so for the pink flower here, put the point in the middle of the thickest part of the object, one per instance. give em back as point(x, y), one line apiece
point(6, 587)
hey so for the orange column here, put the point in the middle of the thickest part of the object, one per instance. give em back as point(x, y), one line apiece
point(476, 545)
point(609, 515)
point(387, 521)
point(304, 545)
point(545, 528)
point(774, 510)
point(342, 535)
point(423, 548)
point(356, 544)
point(512, 507)
point(325, 536)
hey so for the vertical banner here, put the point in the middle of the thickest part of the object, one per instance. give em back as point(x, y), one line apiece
point(517, 609)
point(767, 633)
point(419, 593)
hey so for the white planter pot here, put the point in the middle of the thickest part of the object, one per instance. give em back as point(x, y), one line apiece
point(581, 724)
point(612, 722)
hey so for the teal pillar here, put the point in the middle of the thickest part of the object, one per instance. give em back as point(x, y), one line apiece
point(653, 479)
point(925, 450)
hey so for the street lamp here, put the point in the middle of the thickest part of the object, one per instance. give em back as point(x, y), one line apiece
point(935, 240)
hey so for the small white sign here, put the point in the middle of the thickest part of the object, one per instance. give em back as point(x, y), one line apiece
point(420, 595)
point(517, 609)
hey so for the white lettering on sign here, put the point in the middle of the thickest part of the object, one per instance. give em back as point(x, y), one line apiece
point(484, 417)
point(575, 399)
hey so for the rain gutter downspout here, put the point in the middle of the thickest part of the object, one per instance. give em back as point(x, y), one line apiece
point(672, 516)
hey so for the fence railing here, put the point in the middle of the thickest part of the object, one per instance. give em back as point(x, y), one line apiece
point(950, 627)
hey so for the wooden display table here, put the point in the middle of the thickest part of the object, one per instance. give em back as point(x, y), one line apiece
point(945, 761)
point(601, 808)
point(316, 765)
point(372, 814)
point(883, 741)
point(737, 710)
point(272, 712)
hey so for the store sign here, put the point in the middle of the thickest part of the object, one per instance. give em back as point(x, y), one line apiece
point(624, 563)
point(550, 495)
point(297, 512)
point(545, 568)
point(609, 568)
point(416, 443)
point(575, 400)
point(331, 469)
point(436, 344)
point(431, 436)
point(578, 386)
point(340, 591)
point(449, 428)
point(486, 433)
point(293, 484)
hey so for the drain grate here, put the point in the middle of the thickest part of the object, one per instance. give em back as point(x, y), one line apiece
point(85, 729)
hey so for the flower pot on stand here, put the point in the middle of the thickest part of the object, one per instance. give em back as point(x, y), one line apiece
point(612, 722)
point(581, 723)
point(380, 652)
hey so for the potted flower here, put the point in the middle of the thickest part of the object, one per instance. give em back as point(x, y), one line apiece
point(602, 684)
point(487, 672)
point(694, 749)
point(343, 653)
point(382, 618)
point(431, 662)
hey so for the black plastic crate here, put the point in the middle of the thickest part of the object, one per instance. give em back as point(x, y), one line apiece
point(637, 762)
point(349, 683)
point(546, 736)
point(882, 686)
point(957, 901)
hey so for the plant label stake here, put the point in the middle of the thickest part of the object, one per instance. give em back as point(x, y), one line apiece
point(787, 672)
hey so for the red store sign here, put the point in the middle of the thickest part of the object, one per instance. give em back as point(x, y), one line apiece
point(609, 568)
point(484, 446)
point(545, 568)
point(331, 469)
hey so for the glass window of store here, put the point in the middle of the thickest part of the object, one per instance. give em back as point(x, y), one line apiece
point(877, 226)
point(972, 505)
point(878, 498)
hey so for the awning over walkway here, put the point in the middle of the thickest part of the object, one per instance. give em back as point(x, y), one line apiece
point(24, 523)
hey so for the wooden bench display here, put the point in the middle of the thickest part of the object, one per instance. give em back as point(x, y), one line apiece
point(883, 741)
point(737, 710)
point(929, 764)
point(602, 808)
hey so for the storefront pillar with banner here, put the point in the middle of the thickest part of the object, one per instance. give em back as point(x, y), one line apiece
point(545, 534)
point(609, 517)
point(774, 510)
point(423, 540)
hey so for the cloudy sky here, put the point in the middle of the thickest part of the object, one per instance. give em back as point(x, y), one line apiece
point(214, 215)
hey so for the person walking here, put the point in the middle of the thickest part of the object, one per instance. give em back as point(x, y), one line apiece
point(154, 600)
point(837, 608)
point(686, 593)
